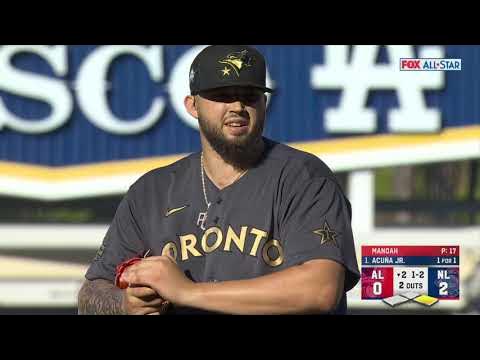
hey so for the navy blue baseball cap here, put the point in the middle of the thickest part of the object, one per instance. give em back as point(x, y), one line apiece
point(219, 66)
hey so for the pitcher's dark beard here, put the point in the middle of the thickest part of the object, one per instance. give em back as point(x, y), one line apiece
point(242, 153)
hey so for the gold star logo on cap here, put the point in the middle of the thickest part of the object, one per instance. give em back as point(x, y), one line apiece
point(327, 235)
point(225, 71)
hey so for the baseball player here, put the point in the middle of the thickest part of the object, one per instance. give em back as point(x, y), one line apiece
point(245, 226)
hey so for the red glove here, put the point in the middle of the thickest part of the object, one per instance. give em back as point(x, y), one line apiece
point(121, 268)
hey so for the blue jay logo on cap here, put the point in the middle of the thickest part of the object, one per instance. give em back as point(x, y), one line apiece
point(237, 62)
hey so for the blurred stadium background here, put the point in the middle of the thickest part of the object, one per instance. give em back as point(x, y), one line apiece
point(78, 124)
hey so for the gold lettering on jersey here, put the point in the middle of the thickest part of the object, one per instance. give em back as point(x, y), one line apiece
point(170, 249)
point(187, 244)
point(272, 251)
point(218, 241)
point(266, 257)
point(260, 234)
point(238, 240)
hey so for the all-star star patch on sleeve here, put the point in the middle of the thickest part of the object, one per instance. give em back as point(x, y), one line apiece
point(315, 224)
point(122, 241)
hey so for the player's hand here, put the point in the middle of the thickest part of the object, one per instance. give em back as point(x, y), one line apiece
point(163, 275)
point(143, 301)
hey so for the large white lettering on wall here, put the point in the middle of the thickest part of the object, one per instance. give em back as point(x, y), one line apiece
point(39, 87)
point(361, 75)
point(178, 86)
point(91, 86)
point(356, 78)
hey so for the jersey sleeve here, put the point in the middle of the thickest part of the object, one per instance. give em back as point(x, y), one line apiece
point(124, 240)
point(316, 224)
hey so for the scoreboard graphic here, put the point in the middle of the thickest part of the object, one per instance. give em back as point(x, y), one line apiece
point(401, 274)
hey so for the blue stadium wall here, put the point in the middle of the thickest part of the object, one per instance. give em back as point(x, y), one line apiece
point(295, 113)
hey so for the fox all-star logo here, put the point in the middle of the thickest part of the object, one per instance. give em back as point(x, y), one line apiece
point(237, 62)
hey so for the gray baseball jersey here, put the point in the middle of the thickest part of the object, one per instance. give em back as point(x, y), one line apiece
point(286, 210)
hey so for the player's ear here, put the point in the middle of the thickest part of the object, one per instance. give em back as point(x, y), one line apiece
point(191, 106)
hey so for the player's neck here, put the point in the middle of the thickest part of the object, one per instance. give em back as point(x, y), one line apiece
point(218, 171)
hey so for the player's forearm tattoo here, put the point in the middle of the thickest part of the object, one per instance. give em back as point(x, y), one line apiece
point(100, 297)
